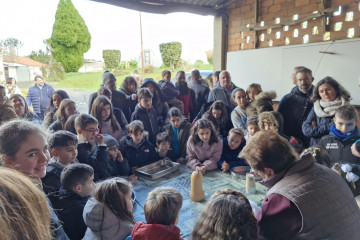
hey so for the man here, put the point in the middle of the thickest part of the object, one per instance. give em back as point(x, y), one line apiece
point(293, 74)
point(39, 96)
point(305, 200)
point(296, 105)
point(223, 91)
point(216, 78)
point(201, 91)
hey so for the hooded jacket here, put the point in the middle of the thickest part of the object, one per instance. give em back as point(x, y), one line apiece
point(149, 119)
point(184, 133)
point(169, 90)
point(144, 231)
point(51, 181)
point(201, 93)
point(261, 103)
point(102, 224)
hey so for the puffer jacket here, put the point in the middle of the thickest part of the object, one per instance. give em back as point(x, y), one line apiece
point(38, 98)
point(262, 103)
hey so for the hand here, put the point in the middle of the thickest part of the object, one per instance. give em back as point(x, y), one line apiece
point(119, 157)
point(133, 170)
point(201, 169)
point(225, 167)
point(99, 138)
point(180, 160)
point(133, 96)
point(133, 179)
point(313, 123)
point(354, 151)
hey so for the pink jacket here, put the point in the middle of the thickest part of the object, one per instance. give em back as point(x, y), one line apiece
point(203, 154)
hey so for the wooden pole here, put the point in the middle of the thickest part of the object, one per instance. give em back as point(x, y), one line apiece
point(142, 48)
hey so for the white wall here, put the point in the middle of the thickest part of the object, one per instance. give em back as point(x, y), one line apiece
point(272, 67)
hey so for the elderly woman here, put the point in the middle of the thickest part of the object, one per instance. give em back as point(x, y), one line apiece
point(305, 200)
point(22, 110)
point(328, 96)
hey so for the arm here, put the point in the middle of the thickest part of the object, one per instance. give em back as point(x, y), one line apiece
point(310, 130)
point(28, 98)
point(191, 157)
point(48, 120)
point(211, 163)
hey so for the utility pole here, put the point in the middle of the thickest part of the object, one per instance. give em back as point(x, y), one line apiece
point(142, 48)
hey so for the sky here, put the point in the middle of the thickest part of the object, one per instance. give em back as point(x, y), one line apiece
point(111, 27)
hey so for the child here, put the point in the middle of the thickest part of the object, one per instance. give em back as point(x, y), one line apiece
point(108, 215)
point(162, 208)
point(70, 124)
point(63, 148)
point(252, 127)
point(179, 132)
point(187, 95)
point(11, 87)
point(78, 184)
point(136, 148)
point(145, 113)
point(170, 91)
point(227, 215)
point(22, 110)
point(259, 101)
point(6, 110)
point(355, 148)
point(66, 109)
point(102, 111)
point(129, 87)
point(272, 121)
point(87, 129)
point(163, 150)
point(218, 115)
point(232, 147)
point(55, 101)
point(238, 115)
point(204, 147)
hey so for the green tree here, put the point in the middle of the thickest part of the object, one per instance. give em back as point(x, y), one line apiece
point(70, 38)
point(170, 54)
point(112, 58)
point(10, 45)
point(40, 56)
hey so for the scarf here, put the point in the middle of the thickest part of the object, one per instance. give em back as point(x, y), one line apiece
point(339, 134)
point(327, 109)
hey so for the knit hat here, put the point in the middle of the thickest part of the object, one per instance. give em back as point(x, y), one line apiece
point(110, 141)
point(107, 77)
point(357, 145)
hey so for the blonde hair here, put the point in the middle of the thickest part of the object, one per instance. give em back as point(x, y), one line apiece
point(60, 113)
point(270, 119)
point(23, 208)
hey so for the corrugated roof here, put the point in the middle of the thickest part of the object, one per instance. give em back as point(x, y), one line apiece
point(23, 60)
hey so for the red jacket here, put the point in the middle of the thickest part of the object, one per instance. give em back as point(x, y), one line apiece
point(144, 231)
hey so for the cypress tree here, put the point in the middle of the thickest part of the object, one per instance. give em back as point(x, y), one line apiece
point(70, 38)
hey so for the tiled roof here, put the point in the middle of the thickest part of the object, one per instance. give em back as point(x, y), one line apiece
point(23, 60)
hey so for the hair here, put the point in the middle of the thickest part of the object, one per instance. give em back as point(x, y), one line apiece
point(340, 90)
point(99, 103)
point(14, 133)
point(165, 72)
point(16, 95)
point(174, 112)
point(217, 74)
point(255, 86)
point(60, 113)
point(83, 120)
point(236, 131)
point(70, 124)
point(62, 138)
point(270, 118)
point(162, 205)
point(111, 192)
point(9, 80)
point(202, 124)
point(127, 81)
point(227, 215)
point(135, 126)
point(235, 91)
point(195, 74)
point(321, 156)
point(62, 94)
point(218, 105)
point(210, 80)
point(180, 72)
point(252, 120)
point(24, 210)
point(267, 149)
point(162, 137)
point(104, 91)
point(2, 89)
point(304, 70)
point(346, 112)
point(144, 93)
point(37, 76)
point(75, 174)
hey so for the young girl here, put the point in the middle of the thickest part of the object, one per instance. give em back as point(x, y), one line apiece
point(22, 110)
point(55, 101)
point(179, 132)
point(108, 215)
point(129, 87)
point(204, 147)
point(103, 112)
point(259, 101)
point(6, 110)
point(187, 95)
point(218, 115)
point(238, 115)
point(227, 215)
point(66, 109)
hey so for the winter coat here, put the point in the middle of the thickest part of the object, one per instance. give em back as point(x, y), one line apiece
point(184, 133)
point(261, 103)
point(220, 93)
point(132, 103)
point(187, 96)
point(39, 99)
point(51, 181)
point(222, 128)
point(69, 208)
point(106, 128)
point(116, 168)
point(15, 90)
point(49, 118)
point(203, 154)
point(137, 156)
point(238, 119)
point(295, 108)
point(58, 232)
point(121, 118)
point(7, 112)
point(144, 231)
point(201, 92)
point(32, 117)
point(56, 126)
point(169, 90)
point(149, 119)
point(103, 224)
point(96, 160)
point(232, 156)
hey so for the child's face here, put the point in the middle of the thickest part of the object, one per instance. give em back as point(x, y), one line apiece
point(204, 134)
point(252, 129)
point(216, 113)
point(87, 189)
point(3, 97)
point(131, 87)
point(234, 141)
point(163, 146)
point(345, 126)
point(32, 157)
point(129, 201)
point(56, 98)
point(89, 133)
point(150, 87)
point(252, 93)
point(18, 105)
point(137, 137)
point(70, 110)
point(268, 126)
point(145, 103)
point(105, 112)
point(167, 77)
point(65, 155)
point(175, 121)
point(113, 152)
point(240, 98)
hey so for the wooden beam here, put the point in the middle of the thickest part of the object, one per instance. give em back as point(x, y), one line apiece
point(256, 22)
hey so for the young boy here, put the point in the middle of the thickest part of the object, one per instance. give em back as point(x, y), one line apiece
point(170, 91)
point(145, 113)
point(252, 126)
point(117, 165)
point(77, 186)
point(232, 146)
point(162, 208)
point(63, 148)
point(136, 148)
point(163, 150)
point(87, 128)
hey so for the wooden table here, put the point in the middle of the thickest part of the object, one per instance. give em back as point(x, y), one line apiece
point(180, 179)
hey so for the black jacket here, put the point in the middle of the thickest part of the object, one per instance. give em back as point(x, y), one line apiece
point(149, 119)
point(201, 94)
point(96, 160)
point(121, 118)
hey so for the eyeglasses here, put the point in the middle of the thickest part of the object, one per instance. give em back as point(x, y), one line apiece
point(92, 130)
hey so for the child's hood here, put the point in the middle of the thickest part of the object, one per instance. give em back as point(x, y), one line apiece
point(150, 80)
point(155, 232)
point(263, 95)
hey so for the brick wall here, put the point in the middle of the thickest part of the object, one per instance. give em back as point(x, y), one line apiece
point(241, 14)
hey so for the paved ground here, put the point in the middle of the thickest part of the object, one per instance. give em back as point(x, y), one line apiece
point(80, 97)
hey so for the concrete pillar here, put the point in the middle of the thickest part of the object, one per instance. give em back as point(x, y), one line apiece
point(219, 43)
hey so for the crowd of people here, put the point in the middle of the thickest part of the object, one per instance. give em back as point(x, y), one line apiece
point(69, 175)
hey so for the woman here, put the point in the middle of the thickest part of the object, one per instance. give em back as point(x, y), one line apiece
point(56, 99)
point(22, 110)
point(328, 96)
